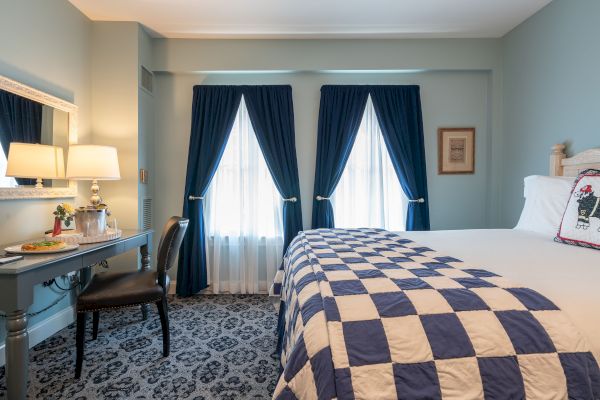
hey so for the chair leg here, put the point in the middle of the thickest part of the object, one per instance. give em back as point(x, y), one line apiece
point(95, 322)
point(80, 340)
point(164, 321)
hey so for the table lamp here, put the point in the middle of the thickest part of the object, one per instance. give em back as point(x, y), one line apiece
point(35, 161)
point(95, 163)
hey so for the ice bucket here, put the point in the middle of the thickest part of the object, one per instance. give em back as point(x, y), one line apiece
point(91, 221)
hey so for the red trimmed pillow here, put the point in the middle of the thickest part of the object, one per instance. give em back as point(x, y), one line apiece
point(580, 224)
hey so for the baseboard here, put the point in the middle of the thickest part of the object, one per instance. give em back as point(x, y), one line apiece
point(46, 328)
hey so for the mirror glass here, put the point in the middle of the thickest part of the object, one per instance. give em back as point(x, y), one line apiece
point(27, 121)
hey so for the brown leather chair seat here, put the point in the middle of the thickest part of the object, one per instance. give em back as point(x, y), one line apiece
point(122, 289)
point(109, 290)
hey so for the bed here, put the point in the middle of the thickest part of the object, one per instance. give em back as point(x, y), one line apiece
point(348, 332)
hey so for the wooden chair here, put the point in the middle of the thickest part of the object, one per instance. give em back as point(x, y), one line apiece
point(109, 290)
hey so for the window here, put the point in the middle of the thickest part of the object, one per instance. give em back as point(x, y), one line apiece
point(369, 194)
point(244, 216)
point(4, 180)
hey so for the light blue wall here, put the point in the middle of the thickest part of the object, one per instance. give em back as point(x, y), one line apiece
point(461, 80)
point(449, 98)
point(44, 44)
point(551, 91)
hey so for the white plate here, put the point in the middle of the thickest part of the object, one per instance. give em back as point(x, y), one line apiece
point(17, 250)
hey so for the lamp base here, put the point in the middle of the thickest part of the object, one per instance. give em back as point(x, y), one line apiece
point(95, 199)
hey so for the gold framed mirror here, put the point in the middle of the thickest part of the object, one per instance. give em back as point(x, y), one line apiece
point(54, 123)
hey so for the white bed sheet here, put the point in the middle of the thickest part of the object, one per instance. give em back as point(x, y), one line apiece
point(567, 275)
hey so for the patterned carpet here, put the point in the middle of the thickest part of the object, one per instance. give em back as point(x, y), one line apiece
point(222, 347)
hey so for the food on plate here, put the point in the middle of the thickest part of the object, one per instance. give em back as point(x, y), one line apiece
point(43, 246)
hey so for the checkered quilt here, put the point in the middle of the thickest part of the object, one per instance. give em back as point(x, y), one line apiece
point(370, 315)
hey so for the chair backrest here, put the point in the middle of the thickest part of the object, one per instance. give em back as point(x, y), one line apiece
point(168, 247)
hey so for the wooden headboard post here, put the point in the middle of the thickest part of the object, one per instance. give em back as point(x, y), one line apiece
point(556, 158)
point(561, 165)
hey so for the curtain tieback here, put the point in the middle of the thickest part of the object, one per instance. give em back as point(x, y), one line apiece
point(291, 199)
point(421, 200)
point(321, 198)
point(193, 198)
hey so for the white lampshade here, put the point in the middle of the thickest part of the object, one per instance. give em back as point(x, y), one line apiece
point(89, 162)
point(28, 160)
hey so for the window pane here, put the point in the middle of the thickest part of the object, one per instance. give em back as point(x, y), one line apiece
point(369, 193)
point(244, 216)
point(242, 198)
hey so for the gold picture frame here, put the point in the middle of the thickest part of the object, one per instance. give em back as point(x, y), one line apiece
point(456, 151)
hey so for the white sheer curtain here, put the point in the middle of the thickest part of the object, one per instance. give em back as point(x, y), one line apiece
point(243, 210)
point(4, 180)
point(369, 194)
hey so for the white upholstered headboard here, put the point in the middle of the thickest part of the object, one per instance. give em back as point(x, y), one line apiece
point(561, 165)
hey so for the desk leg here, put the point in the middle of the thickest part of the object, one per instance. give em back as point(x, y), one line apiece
point(145, 253)
point(17, 354)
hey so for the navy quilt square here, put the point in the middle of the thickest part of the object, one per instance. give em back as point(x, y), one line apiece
point(400, 259)
point(369, 273)
point(366, 342)
point(297, 360)
point(343, 383)
point(445, 259)
point(525, 332)
point(417, 381)
point(423, 272)
point(395, 304)
point(421, 249)
point(579, 367)
point(312, 306)
point(532, 299)
point(386, 265)
point(320, 364)
point(305, 280)
point(480, 273)
point(327, 255)
point(353, 260)
point(501, 378)
point(321, 277)
point(436, 265)
point(447, 336)
point(463, 300)
point(332, 312)
point(345, 288)
point(471, 283)
point(368, 253)
point(335, 267)
point(411, 283)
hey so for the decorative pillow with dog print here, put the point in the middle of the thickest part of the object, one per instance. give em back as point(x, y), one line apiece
point(580, 224)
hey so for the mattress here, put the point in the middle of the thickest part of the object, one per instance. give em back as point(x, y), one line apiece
point(567, 275)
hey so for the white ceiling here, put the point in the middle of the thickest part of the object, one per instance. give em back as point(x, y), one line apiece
point(317, 18)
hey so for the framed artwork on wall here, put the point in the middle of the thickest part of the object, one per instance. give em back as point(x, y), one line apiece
point(456, 151)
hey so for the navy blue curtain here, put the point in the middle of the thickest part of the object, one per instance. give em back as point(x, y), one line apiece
point(272, 116)
point(20, 121)
point(398, 110)
point(213, 113)
point(340, 114)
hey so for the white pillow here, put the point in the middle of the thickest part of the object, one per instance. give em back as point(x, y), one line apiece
point(546, 198)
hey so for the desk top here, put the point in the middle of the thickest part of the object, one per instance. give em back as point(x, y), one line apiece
point(31, 261)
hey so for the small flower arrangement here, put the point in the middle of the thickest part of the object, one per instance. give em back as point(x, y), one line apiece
point(64, 213)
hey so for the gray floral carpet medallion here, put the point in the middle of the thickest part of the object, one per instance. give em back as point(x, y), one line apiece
point(222, 347)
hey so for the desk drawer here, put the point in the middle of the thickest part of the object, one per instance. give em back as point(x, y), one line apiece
point(103, 254)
